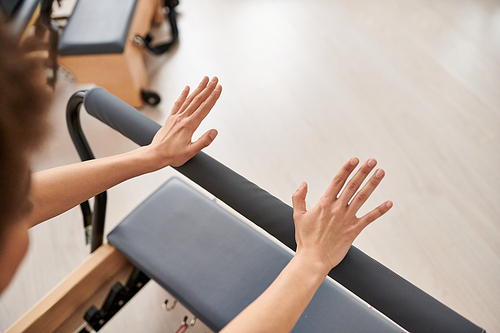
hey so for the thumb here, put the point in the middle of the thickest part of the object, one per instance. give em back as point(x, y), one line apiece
point(299, 199)
point(204, 141)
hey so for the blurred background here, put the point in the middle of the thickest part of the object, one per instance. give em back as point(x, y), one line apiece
point(306, 86)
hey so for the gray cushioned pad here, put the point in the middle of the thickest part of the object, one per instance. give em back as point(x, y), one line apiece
point(215, 264)
point(97, 27)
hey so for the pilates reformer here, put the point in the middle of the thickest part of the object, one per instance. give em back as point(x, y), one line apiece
point(102, 43)
point(225, 263)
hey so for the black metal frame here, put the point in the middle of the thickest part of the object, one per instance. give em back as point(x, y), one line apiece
point(117, 297)
point(93, 220)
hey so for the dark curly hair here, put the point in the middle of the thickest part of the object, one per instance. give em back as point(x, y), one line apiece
point(23, 104)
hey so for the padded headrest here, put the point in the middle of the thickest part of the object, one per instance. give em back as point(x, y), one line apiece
point(97, 27)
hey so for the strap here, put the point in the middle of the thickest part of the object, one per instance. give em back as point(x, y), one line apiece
point(172, 18)
point(184, 326)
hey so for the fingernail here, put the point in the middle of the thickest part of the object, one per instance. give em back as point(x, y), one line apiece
point(354, 161)
point(214, 79)
point(388, 204)
point(212, 134)
point(302, 185)
point(379, 173)
point(372, 162)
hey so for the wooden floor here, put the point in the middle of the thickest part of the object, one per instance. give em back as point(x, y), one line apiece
point(308, 84)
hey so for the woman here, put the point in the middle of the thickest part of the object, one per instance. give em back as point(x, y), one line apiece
point(323, 234)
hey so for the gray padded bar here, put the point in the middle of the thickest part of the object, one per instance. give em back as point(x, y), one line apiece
point(97, 27)
point(398, 299)
point(215, 264)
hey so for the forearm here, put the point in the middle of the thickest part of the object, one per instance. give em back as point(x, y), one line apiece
point(57, 190)
point(279, 308)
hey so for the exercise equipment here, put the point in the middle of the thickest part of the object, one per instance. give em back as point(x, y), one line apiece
point(102, 43)
point(216, 264)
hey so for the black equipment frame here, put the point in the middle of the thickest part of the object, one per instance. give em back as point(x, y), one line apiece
point(93, 221)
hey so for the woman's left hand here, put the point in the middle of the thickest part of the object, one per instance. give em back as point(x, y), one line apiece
point(172, 144)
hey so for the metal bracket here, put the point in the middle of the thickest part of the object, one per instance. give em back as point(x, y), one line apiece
point(118, 296)
point(169, 308)
point(138, 41)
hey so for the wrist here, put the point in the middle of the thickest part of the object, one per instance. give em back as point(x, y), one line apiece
point(316, 268)
point(149, 160)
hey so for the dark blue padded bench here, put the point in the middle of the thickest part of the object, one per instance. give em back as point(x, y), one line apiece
point(215, 264)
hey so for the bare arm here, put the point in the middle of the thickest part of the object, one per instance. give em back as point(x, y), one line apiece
point(324, 235)
point(54, 191)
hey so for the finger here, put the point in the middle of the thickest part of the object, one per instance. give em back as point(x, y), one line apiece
point(340, 178)
point(201, 97)
point(299, 199)
point(375, 214)
point(180, 101)
point(206, 107)
point(356, 181)
point(204, 141)
point(366, 191)
point(195, 93)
